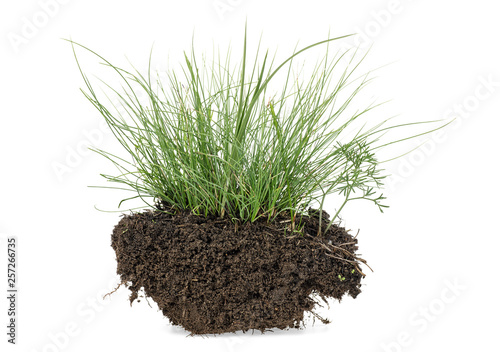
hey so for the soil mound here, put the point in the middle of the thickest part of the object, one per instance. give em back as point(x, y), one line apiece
point(212, 276)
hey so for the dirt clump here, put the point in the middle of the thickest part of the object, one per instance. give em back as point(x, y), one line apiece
point(210, 275)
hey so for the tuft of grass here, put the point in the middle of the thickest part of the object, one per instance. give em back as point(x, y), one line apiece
point(211, 138)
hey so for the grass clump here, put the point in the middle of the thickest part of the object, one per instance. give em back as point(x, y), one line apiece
point(210, 138)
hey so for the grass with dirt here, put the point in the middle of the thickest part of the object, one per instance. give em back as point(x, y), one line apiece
point(229, 159)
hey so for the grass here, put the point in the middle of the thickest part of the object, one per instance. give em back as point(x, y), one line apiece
point(211, 138)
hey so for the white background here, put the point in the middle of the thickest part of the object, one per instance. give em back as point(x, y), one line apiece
point(441, 229)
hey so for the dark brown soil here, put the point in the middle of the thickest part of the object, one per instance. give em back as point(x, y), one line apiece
point(211, 276)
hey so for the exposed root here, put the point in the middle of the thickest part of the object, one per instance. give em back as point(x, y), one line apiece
point(116, 289)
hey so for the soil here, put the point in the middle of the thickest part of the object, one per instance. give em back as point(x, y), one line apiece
point(210, 275)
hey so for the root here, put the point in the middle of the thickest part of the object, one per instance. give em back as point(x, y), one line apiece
point(332, 248)
point(110, 293)
point(323, 320)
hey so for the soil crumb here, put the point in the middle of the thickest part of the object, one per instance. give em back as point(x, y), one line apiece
point(211, 276)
